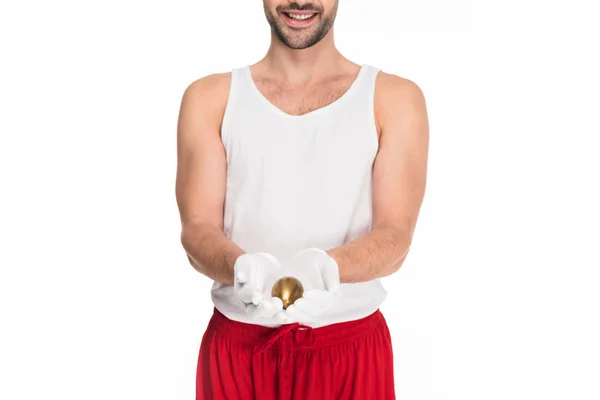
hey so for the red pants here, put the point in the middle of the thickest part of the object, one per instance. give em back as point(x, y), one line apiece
point(343, 361)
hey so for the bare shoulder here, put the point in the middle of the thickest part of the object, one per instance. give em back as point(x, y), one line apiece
point(201, 161)
point(207, 96)
point(210, 84)
point(397, 98)
point(392, 88)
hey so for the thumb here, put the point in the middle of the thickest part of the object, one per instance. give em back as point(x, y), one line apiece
point(241, 272)
point(241, 277)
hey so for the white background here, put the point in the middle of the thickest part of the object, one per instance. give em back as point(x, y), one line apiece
point(498, 298)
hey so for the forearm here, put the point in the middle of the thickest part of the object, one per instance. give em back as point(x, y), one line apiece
point(379, 253)
point(210, 252)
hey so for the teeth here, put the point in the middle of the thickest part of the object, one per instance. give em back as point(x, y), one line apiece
point(299, 17)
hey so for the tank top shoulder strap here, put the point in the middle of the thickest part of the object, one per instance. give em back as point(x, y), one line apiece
point(238, 82)
point(365, 101)
point(234, 98)
point(371, 71)
point(367, 84)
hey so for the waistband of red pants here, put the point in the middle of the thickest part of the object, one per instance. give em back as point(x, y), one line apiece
point(302, 336)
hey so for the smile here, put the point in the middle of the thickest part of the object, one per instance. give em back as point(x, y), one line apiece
point(299, 18)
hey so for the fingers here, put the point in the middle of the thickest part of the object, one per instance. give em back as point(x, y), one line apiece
point(304, 310)
point(277, 303)
point(245, 293)
point(254, 311)
point(267, 308)
point(242, 272)
point(249, 281)
point(256, 297)
point(281, 317)
point(295, 314)
point(315, 301)
point(250, 293)
point(307, 306)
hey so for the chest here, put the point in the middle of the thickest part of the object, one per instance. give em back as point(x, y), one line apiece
point(302, 100)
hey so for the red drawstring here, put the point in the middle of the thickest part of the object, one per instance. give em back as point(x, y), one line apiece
point(278, 333)
point(272, 338)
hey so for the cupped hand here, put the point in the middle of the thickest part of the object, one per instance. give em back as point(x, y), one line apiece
point(319, 274)
point(254, 276)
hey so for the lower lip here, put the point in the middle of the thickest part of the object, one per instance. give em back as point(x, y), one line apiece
point(298, 23)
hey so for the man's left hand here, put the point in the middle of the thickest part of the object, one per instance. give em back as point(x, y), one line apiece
point(319, 274)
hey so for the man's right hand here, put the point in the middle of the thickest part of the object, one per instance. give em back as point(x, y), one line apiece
point(254, 276)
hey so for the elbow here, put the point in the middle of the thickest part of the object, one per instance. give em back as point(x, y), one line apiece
point(193, 263)
point(196, 264)
point(184, 238)
point(400, 248)
point(398, 264)
point(189, 238)
point(191, 233)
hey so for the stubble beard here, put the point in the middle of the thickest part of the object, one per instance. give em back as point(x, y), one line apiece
point(295, 38)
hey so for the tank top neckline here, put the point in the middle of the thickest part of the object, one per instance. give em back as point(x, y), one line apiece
point(336, 103)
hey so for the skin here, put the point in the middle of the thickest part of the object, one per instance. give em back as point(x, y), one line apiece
point(303, 71)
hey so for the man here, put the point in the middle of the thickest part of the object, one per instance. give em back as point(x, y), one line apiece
point(307, 165)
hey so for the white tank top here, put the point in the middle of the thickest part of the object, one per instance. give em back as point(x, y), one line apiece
point(298, 181)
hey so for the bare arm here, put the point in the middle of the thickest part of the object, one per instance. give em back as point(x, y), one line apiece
point(399, 180)
point(201, 178)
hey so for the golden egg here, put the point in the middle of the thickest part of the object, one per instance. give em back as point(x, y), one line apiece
point(288, 289)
